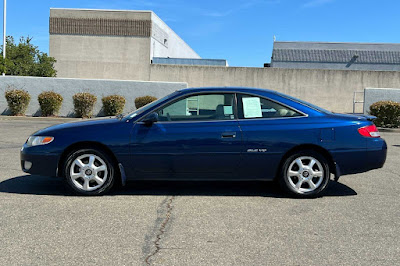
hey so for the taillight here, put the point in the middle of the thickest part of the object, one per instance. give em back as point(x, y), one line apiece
point(369, 131)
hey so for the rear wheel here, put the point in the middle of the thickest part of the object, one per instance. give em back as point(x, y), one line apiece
point(89, 172)
point(305, 174)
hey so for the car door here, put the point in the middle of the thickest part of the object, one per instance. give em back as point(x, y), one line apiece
point(269, 130)
point(195, 137)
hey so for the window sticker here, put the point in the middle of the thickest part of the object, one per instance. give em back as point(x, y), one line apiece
point(251, 107)
point(228, 110)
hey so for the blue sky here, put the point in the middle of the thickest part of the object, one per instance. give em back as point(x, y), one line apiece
point(239, 31)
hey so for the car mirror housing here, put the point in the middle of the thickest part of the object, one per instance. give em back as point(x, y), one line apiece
point(151, 119)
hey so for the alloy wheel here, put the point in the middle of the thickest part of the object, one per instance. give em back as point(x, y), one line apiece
point(88, 172)
point(305, 174)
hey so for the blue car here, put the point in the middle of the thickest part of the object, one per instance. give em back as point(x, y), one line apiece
point(210, 134)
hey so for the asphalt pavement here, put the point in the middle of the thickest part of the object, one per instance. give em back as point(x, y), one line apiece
point(195, 223)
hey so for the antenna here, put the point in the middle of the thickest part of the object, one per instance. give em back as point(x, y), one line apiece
point(274, 38)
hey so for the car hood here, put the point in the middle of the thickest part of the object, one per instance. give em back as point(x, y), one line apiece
point(78, 125)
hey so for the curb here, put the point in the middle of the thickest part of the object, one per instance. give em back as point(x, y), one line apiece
point(34, 118)
point(393, 130)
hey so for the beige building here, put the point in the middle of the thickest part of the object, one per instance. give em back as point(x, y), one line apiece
point(112, 44)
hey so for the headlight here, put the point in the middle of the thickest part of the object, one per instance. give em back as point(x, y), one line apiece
point(38, 140)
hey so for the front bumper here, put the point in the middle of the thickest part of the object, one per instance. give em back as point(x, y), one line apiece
point(37, 163)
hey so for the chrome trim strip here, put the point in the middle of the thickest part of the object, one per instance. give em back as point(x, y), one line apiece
point(271, 118)
point(201, 121)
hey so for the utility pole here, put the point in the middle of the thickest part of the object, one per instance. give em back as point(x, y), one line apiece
point(4, 30)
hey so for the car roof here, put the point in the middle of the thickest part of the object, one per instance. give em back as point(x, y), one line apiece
point(231, 89)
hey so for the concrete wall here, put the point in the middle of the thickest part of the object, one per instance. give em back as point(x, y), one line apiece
point(68, 87)
point(330, 89)
point(96, 54)
point(106, 57)
point(372, 95)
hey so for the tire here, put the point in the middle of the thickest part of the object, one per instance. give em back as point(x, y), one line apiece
point(89, 172)
point(305, 174)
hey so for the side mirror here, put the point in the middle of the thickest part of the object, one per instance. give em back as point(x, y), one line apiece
point(150, 119)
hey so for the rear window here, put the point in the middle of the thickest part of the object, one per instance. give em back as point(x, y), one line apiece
point(257, 107)
point(312, 106)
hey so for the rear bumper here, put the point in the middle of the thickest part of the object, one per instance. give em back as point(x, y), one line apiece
point(359, 161)
point(376, 158)
point(39, 164)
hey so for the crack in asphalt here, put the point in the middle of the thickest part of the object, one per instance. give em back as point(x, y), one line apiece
point(161, 229)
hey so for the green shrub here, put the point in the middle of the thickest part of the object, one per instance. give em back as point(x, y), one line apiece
point(50, 103)
point(83, 104)
point(113, 105)
point(142, 101)
point(18, 101)
point(387, 113)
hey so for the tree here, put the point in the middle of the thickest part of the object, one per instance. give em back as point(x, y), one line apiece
point(25, 59)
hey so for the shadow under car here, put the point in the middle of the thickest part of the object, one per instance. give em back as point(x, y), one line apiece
point(41, 185)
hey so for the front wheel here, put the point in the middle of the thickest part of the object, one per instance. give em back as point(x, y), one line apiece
point(89, 172)
point(305, 174)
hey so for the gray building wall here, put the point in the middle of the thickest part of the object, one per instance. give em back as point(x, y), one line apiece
point(340, 56)
point(373, 95)
point(68, 87)
point(104, 57)
point(110, 44)
point(338, 66)
point(337, 46)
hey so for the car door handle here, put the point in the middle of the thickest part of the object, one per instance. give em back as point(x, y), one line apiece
point(227, 135)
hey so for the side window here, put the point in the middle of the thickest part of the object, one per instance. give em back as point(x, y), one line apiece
point(257, 107)
point(200, 107)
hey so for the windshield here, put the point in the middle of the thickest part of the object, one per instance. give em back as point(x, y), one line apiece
point(150, 105)
point(305, 103)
